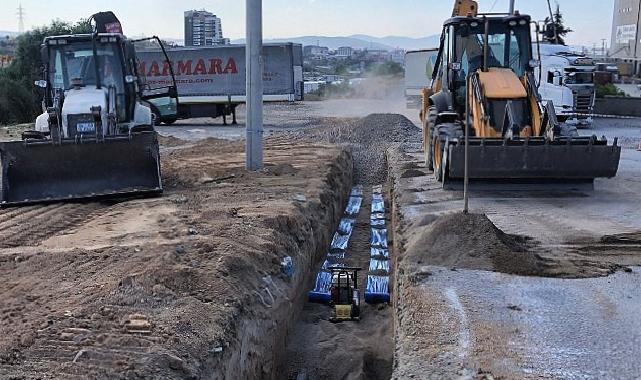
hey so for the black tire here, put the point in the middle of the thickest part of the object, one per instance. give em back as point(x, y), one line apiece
point(437, 146)
point(169, 121)
point(445, 166)
point(569, 131)
point(430, 120)
point(445, 134)
point(33, 135)
point(142, 128)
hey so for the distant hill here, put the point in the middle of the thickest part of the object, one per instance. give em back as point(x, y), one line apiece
point(330, 42)
point(360, 41)
point(407, 43)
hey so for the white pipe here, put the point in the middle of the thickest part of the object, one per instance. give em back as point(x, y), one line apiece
point(512, 7)
point(254, 78)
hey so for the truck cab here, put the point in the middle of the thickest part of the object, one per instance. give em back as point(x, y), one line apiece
point(567, 79)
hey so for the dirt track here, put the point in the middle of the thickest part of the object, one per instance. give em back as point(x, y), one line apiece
point(171, 287)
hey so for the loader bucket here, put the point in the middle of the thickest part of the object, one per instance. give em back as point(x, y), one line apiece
point(39, 171)
point(577, 159)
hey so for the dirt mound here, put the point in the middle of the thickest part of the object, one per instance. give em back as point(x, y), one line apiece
point(385, 129)
point(369, 139)
point(473, 242)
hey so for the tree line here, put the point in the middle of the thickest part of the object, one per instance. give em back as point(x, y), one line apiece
point(20, 99)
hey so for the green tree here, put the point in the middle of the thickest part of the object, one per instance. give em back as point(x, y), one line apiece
point(555, 31)
point(387, 68)
point(17, 91)
point(603, 90)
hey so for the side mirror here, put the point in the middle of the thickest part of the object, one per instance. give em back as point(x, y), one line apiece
point(534, 63)
point(41, 83)
point(44, 54)
point(130, 79)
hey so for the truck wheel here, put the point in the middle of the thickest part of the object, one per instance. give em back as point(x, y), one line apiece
point(169, 121)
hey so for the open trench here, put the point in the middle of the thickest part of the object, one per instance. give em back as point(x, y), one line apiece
point(320, 349)
point(203, 322)
point(317, 348)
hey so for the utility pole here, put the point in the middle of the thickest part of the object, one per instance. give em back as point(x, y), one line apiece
point(512, 7)
point(553, 20)
point(20, 19)
point(254, 86)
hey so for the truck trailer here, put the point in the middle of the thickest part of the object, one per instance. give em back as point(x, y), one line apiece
point(419, 65)
point(211, 80)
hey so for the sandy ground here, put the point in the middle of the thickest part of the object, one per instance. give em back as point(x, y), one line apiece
point(184, 286)
point(149, 288)
point(464, 315)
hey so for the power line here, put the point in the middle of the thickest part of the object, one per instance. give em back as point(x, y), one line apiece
point(493, 5)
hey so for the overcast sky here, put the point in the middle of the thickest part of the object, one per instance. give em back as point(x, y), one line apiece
point(591, 19)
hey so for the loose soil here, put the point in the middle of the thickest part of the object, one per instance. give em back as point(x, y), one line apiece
point(473, 242)
point(14, 132)
point(184, 286)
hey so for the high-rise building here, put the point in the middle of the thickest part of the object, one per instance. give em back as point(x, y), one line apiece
point(203, 28)
point(625, 32)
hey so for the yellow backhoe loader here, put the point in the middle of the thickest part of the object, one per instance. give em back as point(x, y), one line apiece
point(483, 78)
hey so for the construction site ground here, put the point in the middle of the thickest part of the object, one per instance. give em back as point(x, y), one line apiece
point(189, 285)
point(533, 284)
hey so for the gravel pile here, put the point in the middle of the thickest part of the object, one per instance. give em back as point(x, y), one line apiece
point(369, 139)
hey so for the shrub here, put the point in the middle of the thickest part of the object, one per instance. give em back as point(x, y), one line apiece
point(603, 90)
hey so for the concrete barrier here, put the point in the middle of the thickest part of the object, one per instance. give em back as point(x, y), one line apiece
point(618, 106)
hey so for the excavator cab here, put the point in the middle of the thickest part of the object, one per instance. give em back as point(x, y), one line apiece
point(484, 81)
point(96, 136)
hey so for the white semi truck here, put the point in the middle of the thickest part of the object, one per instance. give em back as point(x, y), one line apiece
point(567, 79)
point(419, 65)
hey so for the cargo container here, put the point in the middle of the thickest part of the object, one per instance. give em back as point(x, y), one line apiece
point(211, 80)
